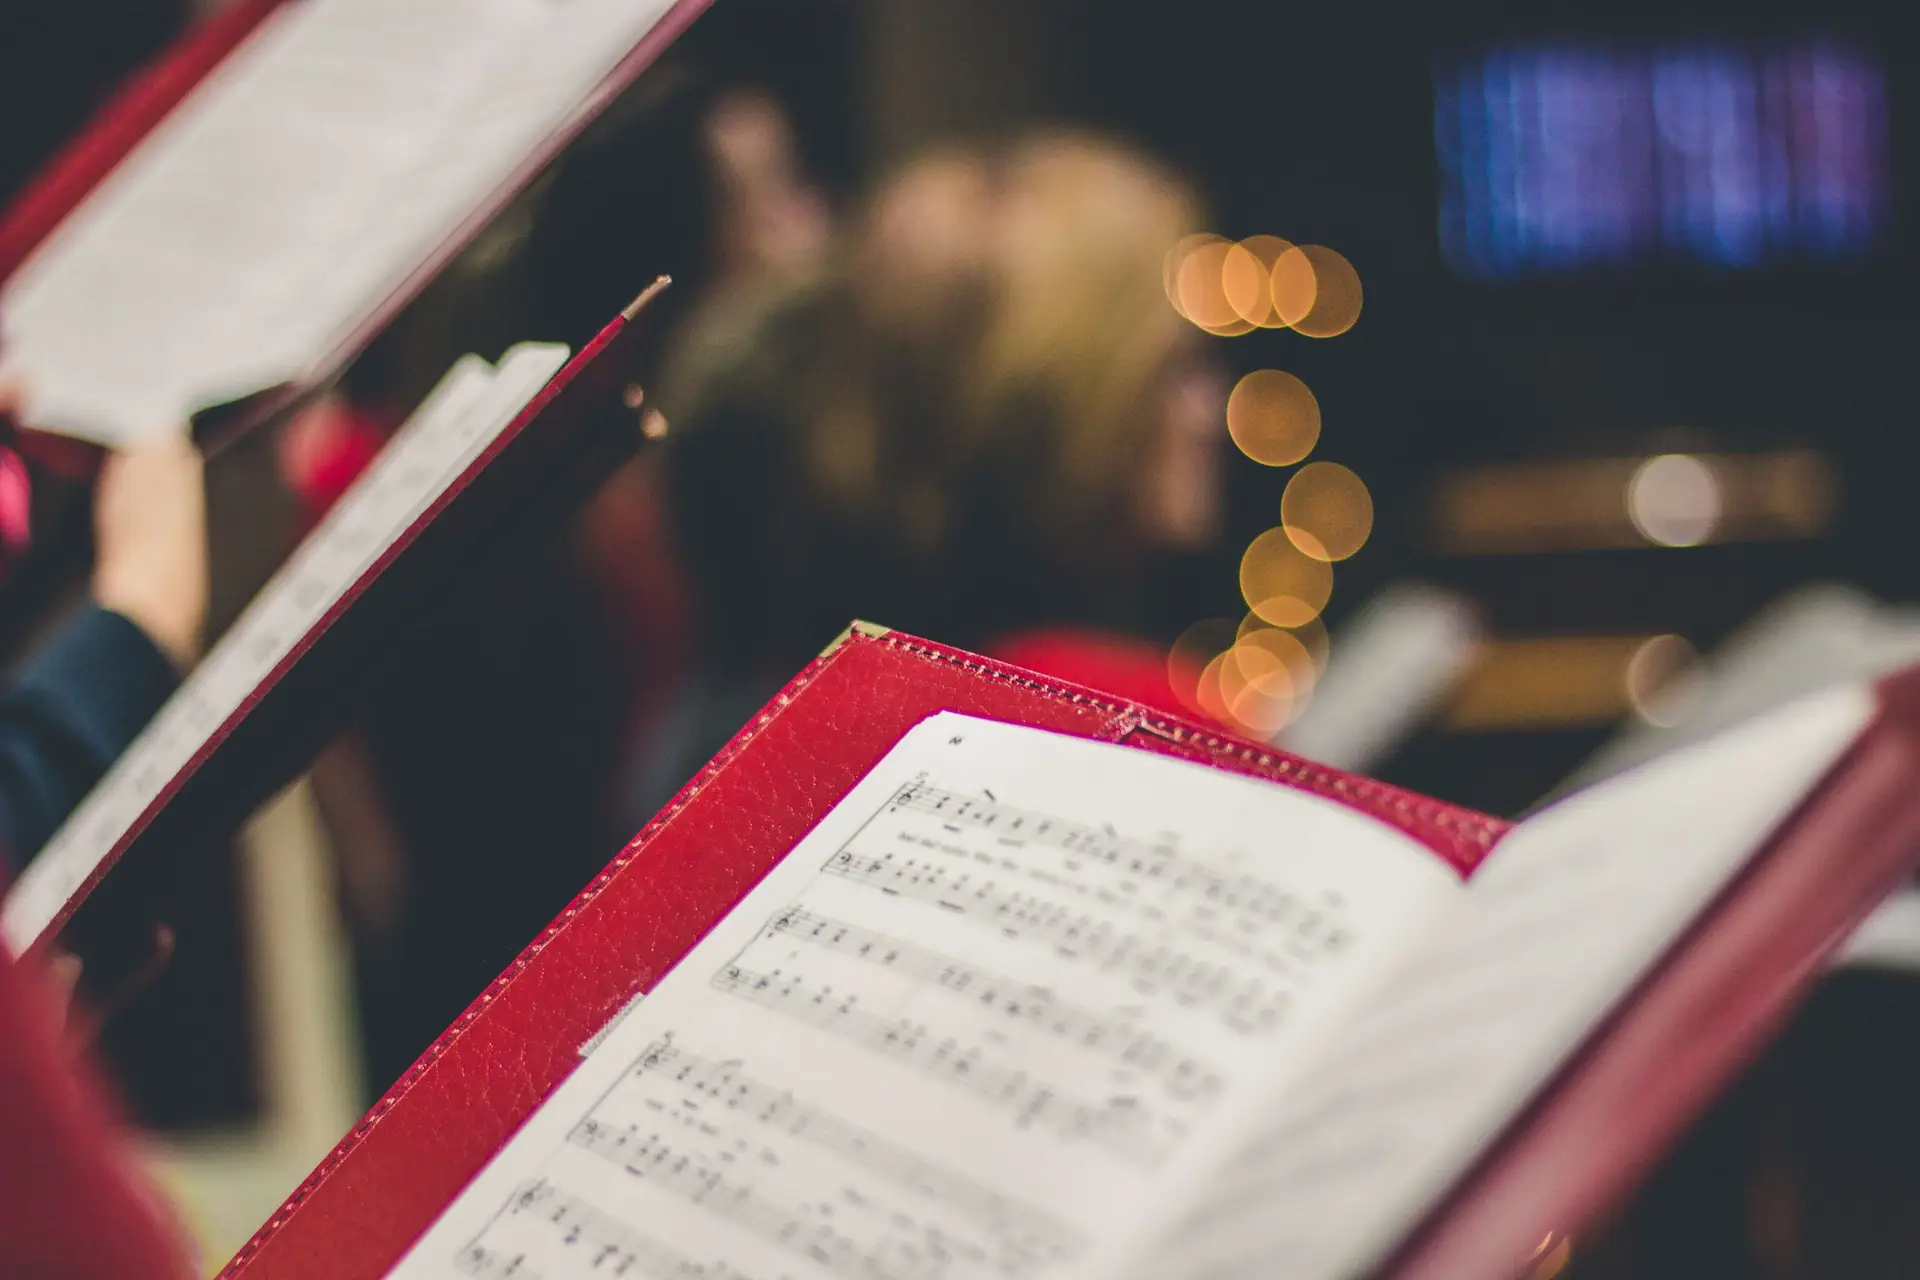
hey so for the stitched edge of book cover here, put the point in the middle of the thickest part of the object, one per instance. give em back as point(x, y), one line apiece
point(392, 1174)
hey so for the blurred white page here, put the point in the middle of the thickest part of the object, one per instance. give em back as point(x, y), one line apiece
point(464, 413)
point(1385, 671)
point(317, 168)
point(1810, 639)
point(1569, 911)
point(989, 1019)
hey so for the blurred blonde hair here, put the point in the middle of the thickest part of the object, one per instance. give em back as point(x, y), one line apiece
point(1005, 325)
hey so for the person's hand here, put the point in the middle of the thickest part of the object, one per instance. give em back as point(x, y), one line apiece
point(150, 539)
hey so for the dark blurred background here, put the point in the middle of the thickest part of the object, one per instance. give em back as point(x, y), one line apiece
point(1589, 235)
point(1317, 122)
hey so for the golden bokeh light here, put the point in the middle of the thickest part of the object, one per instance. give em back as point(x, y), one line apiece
point(1175, 259)
point(1254, 679)
point(1281, 583)
point(1331, 303)
point(1207, 694)
point(1327, 511)
point(1307, 543)
point(1551, 1258)
point(1312, 635)
point(1275, 662)
point(1197, 646)
point(1201, 291)
point(1293, 287)
point(1273, 417)
point(1232, 329)
point(1246, 278)
point(1249, 708)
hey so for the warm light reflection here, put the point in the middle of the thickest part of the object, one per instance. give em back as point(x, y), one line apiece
point(1312, 635)
point(1590, 504)
point(1333, 306)
point(1275, 662)
point(1232, 329)
point(1674, 500)
point(1250, 709)
point(1662, 680)
point(1273, 417)
point(1202, 294)
point(1281, 583)
point(1175, 259)
point(1543, 682)
point(1207, 693)
point(1551, 1258)
point(1247, 279)
point(1197, 646)
point(1327, 511)
point(1293, 287)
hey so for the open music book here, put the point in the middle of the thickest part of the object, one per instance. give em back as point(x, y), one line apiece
point(317, 177)
point(943, 970)
point(1024, 1005)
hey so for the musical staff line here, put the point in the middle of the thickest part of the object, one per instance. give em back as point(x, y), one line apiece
point(1156, 862)
point(615, 1248)
point(1252, 1005)
point(482, 1263)
point(1123, 1126)
point(1185, 1077)
point(907, 1250)
point(1031, 1236)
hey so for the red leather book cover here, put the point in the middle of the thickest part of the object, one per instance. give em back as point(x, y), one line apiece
point(390, 1177)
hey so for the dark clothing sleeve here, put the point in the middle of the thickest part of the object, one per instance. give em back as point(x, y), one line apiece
point(72, 711)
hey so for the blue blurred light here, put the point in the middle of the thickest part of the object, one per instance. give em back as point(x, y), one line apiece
point(1569, 155)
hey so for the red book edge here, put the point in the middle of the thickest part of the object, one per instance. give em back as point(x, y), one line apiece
point(392, 1175)
point(1677, 1040)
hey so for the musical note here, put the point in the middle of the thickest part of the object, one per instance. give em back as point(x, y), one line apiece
point(1249, 1003)
point(601, 1242)
point(1184, 1076)
point(1028, 1236)
point(1123, 1124)
point(1147, 864)
point(902, 1248)
point(1154, 862)
point(950, 1038)
point(484, 1264)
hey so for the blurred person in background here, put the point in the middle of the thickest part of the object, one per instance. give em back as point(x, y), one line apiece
point(470, 803)
point(982, 423)
point(72, 1200)
point(78, 703)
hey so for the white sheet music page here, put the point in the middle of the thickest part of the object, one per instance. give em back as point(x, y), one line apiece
point(985, 1022)
point(463, 414)
point(1559, 922)
point(319, 166)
